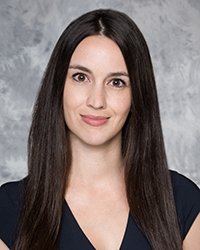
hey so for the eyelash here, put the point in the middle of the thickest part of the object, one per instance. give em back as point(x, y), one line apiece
point(74, 76)
point(120, 83)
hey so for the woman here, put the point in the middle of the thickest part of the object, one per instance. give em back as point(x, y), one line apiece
point(98, 175)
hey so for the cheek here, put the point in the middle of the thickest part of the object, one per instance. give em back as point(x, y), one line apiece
point(68, 104)
point(122, 105)
point(71, 98)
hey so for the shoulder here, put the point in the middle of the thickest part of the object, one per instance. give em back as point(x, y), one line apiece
point(11, 195)
point(186, 192)
point(187, 200)
point(179, 180)
point(11, 189)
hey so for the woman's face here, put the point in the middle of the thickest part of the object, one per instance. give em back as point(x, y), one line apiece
point(97, 92)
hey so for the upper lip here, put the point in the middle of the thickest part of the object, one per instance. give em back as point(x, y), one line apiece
point(95, 117)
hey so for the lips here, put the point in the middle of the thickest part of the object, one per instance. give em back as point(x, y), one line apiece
point(95, 121)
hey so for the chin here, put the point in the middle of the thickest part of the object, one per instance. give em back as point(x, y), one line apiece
point(95, 142)
point(96, 138)
point(101, 140)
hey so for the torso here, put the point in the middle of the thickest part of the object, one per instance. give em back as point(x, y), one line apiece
point(187, 200)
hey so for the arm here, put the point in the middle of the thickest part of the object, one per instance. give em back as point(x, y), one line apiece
point(3, 246)
point(192, 239)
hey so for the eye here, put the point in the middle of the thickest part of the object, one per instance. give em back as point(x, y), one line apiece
point(117, 83)
point(80, 77)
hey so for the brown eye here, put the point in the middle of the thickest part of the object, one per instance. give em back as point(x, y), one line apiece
point(80, 77)
point(117, 83)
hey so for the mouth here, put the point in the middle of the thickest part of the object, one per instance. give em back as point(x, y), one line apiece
point(95, 121)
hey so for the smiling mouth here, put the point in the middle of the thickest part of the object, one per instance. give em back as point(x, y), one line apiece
point(95, 121)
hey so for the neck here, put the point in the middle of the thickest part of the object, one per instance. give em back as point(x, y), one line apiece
point(96, 165)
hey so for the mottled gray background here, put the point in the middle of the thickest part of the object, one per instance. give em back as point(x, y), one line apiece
point(28, 32)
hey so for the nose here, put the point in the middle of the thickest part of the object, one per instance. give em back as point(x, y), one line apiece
point(96, 98)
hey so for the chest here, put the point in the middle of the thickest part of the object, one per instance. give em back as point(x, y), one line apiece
point(100, 232)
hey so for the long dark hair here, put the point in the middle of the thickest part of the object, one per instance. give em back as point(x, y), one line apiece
point(148, 183)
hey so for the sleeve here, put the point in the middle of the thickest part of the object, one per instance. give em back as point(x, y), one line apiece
point(187, 200)
point(8, 215)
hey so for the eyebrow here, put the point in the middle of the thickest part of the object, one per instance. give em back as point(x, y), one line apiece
point(82, 68)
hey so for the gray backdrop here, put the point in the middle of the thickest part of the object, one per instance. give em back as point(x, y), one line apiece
point(28, 32)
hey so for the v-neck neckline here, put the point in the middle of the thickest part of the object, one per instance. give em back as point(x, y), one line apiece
point(83, 233)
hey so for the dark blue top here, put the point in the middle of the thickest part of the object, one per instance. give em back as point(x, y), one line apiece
point(187, 200)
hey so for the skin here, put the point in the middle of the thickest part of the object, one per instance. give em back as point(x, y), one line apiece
point(92, 89)
point(3, 246)
point(192, 239)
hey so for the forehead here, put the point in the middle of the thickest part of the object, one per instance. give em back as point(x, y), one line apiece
point(98, 51)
